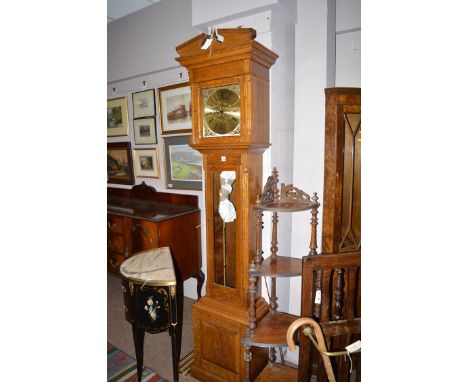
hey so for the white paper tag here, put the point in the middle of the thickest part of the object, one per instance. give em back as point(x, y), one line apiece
point(355, 346)
point(318, 297)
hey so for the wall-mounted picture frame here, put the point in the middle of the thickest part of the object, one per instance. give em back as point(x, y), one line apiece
point(143, 104)
point(146, 162)
point(117, 117)
point(119, 163)
point(144, 130)
point(182, 164)
point(175, 108)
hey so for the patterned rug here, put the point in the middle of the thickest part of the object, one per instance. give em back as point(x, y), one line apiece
point(122, 368)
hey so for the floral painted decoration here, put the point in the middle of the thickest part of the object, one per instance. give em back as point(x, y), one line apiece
point(151, 307)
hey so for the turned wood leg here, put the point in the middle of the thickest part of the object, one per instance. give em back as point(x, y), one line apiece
point(200, 276)
point(272, 355)
point(175, 352)
point(138, 341)
point(247, 359)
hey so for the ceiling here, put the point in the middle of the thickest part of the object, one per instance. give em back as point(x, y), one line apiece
point(120, 8)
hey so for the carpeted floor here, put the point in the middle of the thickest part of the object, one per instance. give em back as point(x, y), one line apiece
point(157, 350)
point(122, 368)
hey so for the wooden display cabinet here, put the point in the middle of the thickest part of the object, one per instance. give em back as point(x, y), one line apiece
point(230, 96)
point(342, 177)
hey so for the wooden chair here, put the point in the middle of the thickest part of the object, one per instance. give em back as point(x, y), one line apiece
point(331, 295)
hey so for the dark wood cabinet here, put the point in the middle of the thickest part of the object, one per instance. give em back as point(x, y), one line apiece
point(342, 179)
point(142, 218)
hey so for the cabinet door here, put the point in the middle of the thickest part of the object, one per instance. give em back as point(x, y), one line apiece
point(118, 242)
point(342, 183)
point(145, 235)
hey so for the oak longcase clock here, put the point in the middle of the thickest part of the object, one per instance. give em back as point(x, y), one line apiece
point(230, 96)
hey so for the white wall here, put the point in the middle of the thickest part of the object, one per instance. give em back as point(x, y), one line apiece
point(208, 12)
point(145, 41)
point(348, 43)
point(309, 122)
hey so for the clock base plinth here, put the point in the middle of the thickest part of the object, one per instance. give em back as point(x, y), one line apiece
point(217, 330)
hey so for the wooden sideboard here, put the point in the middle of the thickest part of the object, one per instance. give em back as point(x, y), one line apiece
point(142, 218)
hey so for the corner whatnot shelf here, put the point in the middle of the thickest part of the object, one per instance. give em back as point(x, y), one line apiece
point(270, 331)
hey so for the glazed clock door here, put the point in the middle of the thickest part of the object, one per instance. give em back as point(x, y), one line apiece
point(225, 196)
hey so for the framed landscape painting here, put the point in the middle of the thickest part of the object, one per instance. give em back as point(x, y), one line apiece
point(117, 117)
point(119, 163)
point(143, 104)
point(144, 130)
point(146, 163)
point(175, 108)
point(183, 164)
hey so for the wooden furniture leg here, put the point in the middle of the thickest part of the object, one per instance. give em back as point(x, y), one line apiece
point(138, 341)
point(180, 319)
point(200, 276)
point(247, 359)
point(175, 352)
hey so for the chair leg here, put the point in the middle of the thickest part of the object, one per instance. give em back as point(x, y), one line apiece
point(138, 341)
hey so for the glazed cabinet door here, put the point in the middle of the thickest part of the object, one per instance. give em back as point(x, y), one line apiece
point(342, 181)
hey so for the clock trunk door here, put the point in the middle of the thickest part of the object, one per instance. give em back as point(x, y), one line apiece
point(224, 233)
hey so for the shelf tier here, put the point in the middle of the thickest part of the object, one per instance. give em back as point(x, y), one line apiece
point(278, 266)
point(284, 207)
point(277, 372)
point(271, 330)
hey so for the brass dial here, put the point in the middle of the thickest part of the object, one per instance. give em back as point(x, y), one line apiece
point(221, 111)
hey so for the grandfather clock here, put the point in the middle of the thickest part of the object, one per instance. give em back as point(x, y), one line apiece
point(229, 82)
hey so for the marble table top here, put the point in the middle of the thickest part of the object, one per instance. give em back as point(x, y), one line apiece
point(153, 267)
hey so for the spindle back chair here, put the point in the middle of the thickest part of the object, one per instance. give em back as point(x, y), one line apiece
point(331, 295)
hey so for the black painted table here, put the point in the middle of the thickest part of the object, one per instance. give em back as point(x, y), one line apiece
point(152, 301)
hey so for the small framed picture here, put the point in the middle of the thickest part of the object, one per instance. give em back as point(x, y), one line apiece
point(146, 162)
point(143, 104)
point(175, 108)
point(144, 130)
point(119, 163)
point(117, 117)
point(183, 164)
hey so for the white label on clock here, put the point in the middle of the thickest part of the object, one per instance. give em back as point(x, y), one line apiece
point(223, 158)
